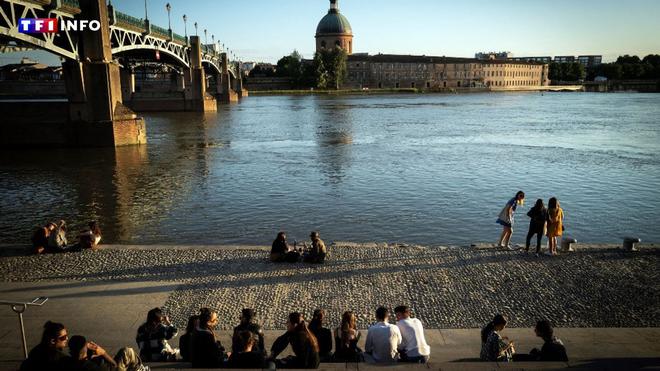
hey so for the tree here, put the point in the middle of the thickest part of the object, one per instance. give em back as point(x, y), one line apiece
point(331, 67)
point(320, 71)
point(575, 72)
point(628, 59)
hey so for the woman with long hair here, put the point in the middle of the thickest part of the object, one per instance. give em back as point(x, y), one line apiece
point(323, 334)
point(49, 353)
point(346, 339)
point(505, 219)
point(303, 342)
point(494, 347)
point(555, 224)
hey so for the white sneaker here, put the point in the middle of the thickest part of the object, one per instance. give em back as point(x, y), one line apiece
point(508, 247)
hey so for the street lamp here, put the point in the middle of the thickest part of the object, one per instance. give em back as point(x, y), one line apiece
point(185, 28)
point(206, 39)
point(195, 28)
point(169, 20)
point(146, 15)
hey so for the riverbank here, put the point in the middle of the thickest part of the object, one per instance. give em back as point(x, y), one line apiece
point(597, 286)
point(602, 300)
point(564, 88)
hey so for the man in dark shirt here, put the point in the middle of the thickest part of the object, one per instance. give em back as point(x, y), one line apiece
point(247, 355)
point(87, 356)
point(280, 251)
point(248, 324)
point(553, 349)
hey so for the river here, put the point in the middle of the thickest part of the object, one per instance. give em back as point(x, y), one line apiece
point(428, 169)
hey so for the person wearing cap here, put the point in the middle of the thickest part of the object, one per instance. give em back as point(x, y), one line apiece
point(318, 251)
point(414, 347)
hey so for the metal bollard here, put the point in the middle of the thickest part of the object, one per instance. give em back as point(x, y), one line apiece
point(567, 244)
point(630, 243)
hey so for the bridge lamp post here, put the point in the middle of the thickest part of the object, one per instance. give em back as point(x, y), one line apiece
point(185, 28)
point(206, 39)
point(195, 28)
point(169, 20)
point(213, 42)
point(146, 15)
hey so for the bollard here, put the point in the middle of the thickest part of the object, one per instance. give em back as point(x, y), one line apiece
point(630, 243)
point(567, 244)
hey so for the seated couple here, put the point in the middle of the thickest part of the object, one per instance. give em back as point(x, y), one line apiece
point(282, 252)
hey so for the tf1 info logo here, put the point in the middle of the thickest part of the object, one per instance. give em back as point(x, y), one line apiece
point(51, 25)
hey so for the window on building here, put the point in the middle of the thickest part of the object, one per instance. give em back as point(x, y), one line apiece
point(396, 85)
point(428, 84)
point(458, 83)
point(412, 85)
point(323, 44)
point(380, 85)
point(444, 84)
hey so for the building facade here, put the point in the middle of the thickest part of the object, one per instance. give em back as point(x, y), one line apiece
point(385, 71)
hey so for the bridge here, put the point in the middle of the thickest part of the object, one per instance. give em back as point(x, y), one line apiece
point(98, 67)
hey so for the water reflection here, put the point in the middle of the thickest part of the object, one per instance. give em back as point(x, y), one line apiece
point(334, 136)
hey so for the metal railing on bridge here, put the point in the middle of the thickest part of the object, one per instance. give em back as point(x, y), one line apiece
point(129, 21)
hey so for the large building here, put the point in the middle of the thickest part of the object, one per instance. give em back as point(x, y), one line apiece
point(424, 72)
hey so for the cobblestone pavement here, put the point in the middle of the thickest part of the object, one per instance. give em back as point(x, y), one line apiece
point(446, 287)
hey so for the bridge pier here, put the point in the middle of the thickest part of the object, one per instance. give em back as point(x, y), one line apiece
point(196, 97)
point(127, 83)
point(93, 86)
point(226, 93)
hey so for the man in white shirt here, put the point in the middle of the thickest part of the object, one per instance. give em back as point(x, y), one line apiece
point(383, 339)
point(413, 346)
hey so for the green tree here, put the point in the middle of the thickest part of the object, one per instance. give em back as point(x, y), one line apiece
point(291, 66)
point(320, 71)
point(574, 72)
point(332, 67)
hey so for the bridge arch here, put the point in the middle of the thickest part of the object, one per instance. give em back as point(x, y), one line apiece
point(63, 43)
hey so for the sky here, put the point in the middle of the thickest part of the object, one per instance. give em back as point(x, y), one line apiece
point(266, 30)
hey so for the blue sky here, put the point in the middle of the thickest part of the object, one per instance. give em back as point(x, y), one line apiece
point(265, 30)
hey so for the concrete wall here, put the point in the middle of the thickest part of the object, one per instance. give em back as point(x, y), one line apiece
point(268, 83)
point(41, 89)
point(35, 124)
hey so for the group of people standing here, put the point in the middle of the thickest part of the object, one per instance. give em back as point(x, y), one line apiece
point(543, 222)
point(51, 238)
point(282, 252)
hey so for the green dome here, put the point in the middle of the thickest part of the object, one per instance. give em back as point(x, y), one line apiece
point(334, 23)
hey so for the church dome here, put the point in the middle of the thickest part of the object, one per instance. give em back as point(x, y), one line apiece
point(334, 22)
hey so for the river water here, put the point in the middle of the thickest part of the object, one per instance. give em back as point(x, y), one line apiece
point(429, 169)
